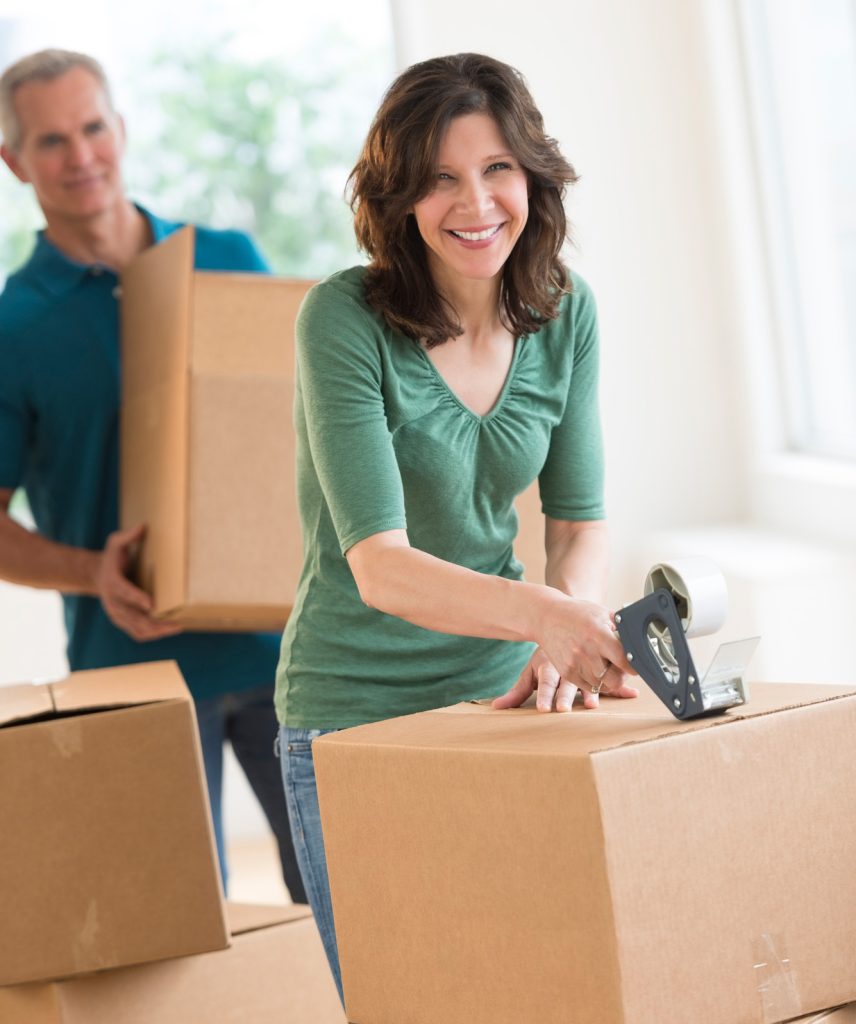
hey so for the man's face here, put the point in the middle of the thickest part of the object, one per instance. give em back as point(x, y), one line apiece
point(71, 146)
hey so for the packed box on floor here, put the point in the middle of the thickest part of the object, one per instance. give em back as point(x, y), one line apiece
point(614, 866)
point(207, 439)
point(275, 972)
point(107, 855)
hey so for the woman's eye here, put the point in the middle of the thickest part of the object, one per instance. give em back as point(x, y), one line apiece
point(500, 166)
point(443, 176)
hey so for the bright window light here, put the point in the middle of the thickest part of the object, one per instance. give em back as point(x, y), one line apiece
point(801, 61)
point(242, 115)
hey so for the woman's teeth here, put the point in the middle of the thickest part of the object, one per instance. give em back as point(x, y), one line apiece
point(476, 236)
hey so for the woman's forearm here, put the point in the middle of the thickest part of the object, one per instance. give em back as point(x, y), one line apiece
point(575, 633)
point(578, 558)
point(447, 598)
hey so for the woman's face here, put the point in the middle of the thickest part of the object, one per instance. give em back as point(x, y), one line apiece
point(478, 207)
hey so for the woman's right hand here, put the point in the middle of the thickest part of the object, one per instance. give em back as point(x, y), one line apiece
point(578, 650)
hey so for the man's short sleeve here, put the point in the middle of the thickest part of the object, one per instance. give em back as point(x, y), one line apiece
point(228, 251)
point(340, 398)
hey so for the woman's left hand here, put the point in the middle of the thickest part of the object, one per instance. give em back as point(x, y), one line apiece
point(555, 693)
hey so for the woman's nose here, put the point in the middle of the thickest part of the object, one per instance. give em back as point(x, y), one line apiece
point(477, 197)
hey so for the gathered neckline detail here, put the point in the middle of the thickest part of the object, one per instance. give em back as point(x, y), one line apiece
point(446, 391)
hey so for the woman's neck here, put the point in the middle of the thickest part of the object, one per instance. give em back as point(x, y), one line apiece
point(476, 304)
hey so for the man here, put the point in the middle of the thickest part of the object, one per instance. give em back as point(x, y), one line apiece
point(59, 402)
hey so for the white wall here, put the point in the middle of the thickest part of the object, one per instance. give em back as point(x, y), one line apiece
point(624, 87)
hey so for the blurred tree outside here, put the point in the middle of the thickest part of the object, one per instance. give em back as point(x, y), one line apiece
point(21, 216)
point(263, 146)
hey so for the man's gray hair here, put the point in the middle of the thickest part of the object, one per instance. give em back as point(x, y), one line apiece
point(43, 67)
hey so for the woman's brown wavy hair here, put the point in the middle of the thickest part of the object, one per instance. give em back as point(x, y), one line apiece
point(398, 167)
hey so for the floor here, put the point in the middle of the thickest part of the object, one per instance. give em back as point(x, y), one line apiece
point(254, 871)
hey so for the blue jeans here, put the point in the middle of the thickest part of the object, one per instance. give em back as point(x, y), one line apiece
point(246, 718)
point(301, 795)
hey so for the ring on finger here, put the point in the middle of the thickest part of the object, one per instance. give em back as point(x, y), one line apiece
point(598, 683)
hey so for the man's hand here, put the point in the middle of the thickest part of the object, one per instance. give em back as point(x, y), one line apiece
point(126, 605)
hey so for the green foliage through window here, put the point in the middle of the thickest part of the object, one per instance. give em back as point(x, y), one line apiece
point(263, 146)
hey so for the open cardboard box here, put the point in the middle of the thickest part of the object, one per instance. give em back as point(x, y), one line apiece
point(107, 855)
point(614, 866)
point(207, 439)
point(275, 972)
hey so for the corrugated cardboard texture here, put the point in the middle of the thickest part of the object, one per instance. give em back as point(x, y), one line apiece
point(607, 867)
point(235, 529)
point(155, 413)
point(274, 973)
point(106, 850)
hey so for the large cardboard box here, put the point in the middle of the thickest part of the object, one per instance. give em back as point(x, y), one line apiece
point(107, 855)
point(840, 1015)
point(275, 972)
point(603, 867)
point(207, 440)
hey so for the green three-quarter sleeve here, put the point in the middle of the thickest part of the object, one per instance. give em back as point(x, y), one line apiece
point(571, 482)
point(340, 407)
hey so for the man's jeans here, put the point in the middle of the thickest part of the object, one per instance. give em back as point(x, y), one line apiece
point(246, 718)
point(301, 794)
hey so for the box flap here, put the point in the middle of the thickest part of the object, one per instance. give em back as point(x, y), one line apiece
point(250, 917)
point(121, 686)
point(23, 701)
point(155, 311)
point(155, 410)
point(616, 723)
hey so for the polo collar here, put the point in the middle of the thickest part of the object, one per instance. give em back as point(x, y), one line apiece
point(57, 274)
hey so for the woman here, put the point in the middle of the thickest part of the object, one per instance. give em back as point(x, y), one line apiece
point(433, 386)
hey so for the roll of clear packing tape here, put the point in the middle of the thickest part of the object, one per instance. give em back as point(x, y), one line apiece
point(699, 590)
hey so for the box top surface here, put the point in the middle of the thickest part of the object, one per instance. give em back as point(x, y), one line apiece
point(123, 686)
point(251, 917)
point(615, 724)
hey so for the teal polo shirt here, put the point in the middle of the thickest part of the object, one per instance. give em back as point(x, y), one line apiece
point(59, 440)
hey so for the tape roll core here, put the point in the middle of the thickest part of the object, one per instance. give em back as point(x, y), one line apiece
point(699, 589)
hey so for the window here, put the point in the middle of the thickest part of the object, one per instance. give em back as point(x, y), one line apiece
point(246, 116)
point(801, 61)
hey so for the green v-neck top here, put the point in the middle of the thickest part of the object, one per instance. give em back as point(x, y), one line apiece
point(383, 444)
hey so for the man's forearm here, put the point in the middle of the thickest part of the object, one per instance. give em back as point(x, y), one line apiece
point(34, 561)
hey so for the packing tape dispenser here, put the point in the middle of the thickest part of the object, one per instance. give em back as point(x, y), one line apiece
point(685, 598)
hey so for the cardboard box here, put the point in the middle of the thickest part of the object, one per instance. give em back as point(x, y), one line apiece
point(840, 1015)
point(604, 867)
point(275, 972)
point(207, 439)
point(107, 854)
